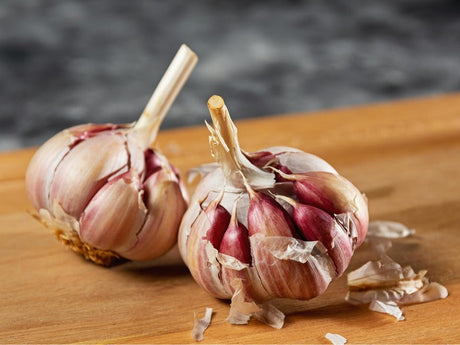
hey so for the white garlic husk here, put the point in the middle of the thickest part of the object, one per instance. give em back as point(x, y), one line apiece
point(277, 223)
point(105, 191)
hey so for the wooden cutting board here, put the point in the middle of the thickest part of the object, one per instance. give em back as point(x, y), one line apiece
point(404, 155)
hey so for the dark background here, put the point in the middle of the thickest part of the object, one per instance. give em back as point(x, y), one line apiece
point(68, 62)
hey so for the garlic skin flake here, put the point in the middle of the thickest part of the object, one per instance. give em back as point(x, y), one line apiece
point(388, 229)
point(384, 284)
point(336, 339)
point(277, 223)
point(389, 307)
point(200, 325)
point(104, 190)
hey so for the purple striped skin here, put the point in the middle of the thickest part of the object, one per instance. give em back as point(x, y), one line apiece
point(152, 163)
point(96, 226)
point(219, 219)
point(266, 216)
point(312, 194)
point(269, 218)
point(288, 278)
point(315, 224)
point(209, 226)
point(260, 158)
point(235, 242)
point(335, 195)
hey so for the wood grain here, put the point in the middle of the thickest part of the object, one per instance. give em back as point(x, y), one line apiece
point(404, 155)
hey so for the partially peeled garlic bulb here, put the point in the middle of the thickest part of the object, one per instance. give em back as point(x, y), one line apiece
point(103, 189)
point(277, 223)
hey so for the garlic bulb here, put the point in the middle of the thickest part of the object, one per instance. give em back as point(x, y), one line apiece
point(103, 189)
point(277, 223)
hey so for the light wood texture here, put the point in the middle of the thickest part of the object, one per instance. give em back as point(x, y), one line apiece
point(404, 155)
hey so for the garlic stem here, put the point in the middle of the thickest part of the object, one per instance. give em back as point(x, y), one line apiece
point(146, 128)
point(227, 147)
point(227, 151)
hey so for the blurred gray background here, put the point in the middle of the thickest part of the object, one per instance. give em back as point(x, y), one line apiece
point(69, 62)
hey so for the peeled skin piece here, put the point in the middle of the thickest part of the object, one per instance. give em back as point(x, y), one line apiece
point(200, 325)
point(384, 284)
point(336, 339)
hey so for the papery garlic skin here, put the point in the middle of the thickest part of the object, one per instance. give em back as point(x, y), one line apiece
point(295, 219)
point(105, 195)
point(384, 284)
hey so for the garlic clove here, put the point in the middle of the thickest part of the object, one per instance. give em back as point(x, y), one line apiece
point(236, 261)
point(315, 224)
point(334, 194)
point(260, 158)
point(278, 274)
point(43, 164)
point(79, 171)
point(327, 191)
point(42, 167)
point(266, 216)
point(165, 204)
point(155, 162)
point(235, 241)
point(215, 233)
point(114, 215)
point(201, 255)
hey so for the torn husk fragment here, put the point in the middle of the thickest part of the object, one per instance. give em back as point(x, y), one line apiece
point(200, 325)
point(389, 307)
point(384, 284)
point(388, 229)
point(241, 310)
point(336, 339)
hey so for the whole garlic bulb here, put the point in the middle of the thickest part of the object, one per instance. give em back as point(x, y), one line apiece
point(103, 189)
point(277, 223)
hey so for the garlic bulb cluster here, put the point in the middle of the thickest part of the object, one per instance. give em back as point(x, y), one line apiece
point(277, 223)
point(103, 189)
point(105, 195)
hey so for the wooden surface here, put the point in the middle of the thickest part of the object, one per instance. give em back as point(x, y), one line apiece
point(405, 156)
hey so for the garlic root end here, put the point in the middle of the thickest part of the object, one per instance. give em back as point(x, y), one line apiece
point(71, 240)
